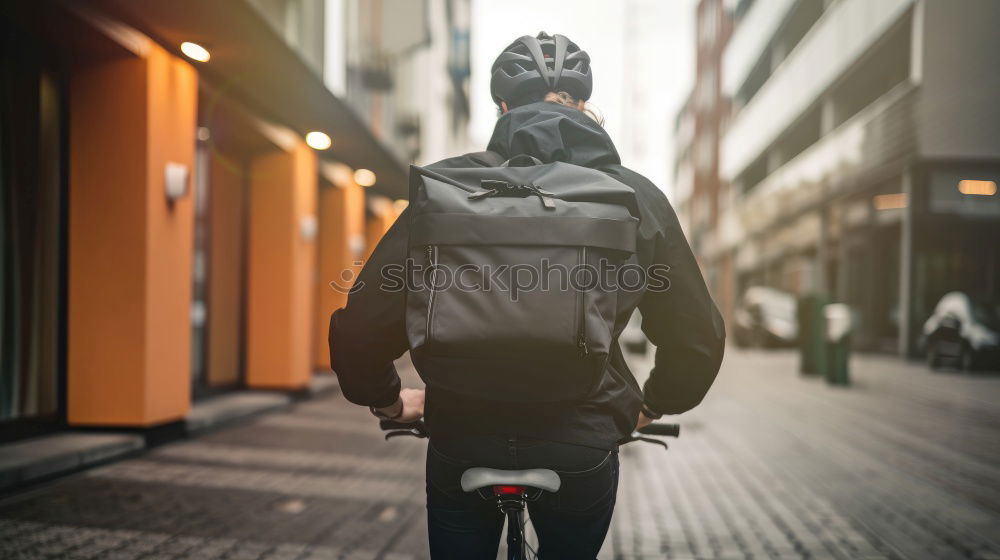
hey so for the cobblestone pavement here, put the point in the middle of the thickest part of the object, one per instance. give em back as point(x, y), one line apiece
point(904, 464)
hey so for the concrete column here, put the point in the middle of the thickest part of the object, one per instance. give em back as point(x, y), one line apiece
point(341, 248)
point(823, 252)
point(843, 266)
point(130, 248)
point(906, 266)
point(281, 268)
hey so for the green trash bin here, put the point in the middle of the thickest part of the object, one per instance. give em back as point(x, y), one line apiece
point(812, 334)
point(838, 339)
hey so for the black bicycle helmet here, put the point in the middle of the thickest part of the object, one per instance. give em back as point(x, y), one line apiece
point(536, 65)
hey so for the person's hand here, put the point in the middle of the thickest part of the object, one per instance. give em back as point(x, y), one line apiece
point(643, 421)
point(413, 405)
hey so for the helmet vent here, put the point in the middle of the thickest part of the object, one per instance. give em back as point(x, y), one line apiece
point(513, 69)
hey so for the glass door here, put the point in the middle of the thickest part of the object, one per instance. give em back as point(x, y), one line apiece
point(199, 268)
point(226, 143)
point(32, 186)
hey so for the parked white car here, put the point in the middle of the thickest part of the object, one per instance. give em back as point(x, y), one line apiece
point(765, 318)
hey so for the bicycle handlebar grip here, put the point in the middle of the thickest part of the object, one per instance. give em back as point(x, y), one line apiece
point(393, 425)
point(662, 429)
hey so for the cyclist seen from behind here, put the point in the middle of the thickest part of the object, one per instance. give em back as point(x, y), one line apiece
point(534, 379)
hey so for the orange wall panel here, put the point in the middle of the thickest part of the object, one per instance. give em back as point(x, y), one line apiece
point(373, 234)
point(129, 249)
point(340, 245)
point(282, 265)
point(173, 117)
point(306, 192)
point(379, 223)
point(107, 244)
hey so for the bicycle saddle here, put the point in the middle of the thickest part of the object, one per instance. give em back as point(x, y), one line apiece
point(477, 477)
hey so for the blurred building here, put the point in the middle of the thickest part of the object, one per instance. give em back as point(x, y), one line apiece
point(863, 157)
point(698, 188)
point(407, 73)
point(167, 231)
point(682, 166)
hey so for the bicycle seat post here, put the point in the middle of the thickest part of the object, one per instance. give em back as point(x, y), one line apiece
point(510, 500)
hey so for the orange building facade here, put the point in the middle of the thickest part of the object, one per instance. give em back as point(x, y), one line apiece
point(163, 242)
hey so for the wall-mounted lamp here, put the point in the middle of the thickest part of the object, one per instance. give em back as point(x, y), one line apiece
point(356, 244)
point(977, 188)
point(893, 201)
point(308, 227)
point(175, 180)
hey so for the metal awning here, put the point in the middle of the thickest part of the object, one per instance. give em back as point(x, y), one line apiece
point(251, 62)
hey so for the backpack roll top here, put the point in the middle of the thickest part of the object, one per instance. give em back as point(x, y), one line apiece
point(511, 291)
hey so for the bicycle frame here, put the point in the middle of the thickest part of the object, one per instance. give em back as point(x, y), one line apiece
point(512, 500)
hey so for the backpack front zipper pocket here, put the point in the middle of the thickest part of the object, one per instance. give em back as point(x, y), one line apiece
point(484, 330)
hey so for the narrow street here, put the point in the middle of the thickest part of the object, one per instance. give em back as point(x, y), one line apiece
point(903, 464)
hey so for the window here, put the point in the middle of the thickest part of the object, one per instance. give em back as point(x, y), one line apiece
point(876, 73)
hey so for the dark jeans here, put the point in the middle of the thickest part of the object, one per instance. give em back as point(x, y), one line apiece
point(570, 523)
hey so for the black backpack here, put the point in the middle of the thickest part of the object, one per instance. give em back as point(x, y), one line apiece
point(479, 321)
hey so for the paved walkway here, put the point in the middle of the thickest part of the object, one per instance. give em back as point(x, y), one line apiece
point(901, 465)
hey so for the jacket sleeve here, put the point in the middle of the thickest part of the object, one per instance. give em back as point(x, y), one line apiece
point(369, 332)
point(682, 322)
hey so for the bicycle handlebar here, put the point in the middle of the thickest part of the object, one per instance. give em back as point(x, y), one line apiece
point(392, 428)
point(393, 425)
point(662, 429)
point(419, 429)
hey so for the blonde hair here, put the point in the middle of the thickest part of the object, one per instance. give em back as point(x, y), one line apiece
point(564, 98)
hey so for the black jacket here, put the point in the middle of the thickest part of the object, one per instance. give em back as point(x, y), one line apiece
point(682, 322)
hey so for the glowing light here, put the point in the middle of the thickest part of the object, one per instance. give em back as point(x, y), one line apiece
point(364, 177)
point(194, 51)
point(318, 140)
point(893, 201)
point(978, 188)
point(338, 173)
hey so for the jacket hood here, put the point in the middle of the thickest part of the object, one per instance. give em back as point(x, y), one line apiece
point(553, 132)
